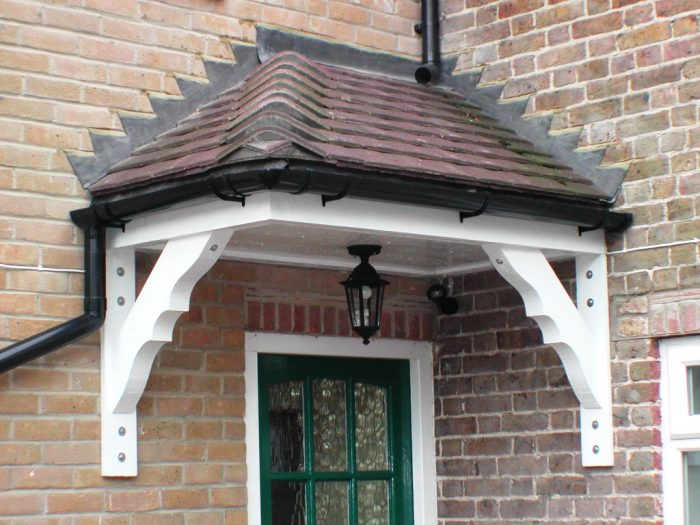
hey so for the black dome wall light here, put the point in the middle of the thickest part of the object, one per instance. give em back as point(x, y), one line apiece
point(364, 289)
point(438, 294)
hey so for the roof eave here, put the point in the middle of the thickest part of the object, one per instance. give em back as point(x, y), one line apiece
point(316, 178)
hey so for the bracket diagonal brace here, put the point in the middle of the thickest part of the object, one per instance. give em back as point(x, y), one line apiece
point(135, 329)
point(579, 335)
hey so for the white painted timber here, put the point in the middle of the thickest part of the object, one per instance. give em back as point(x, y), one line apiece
point(119, 431)
point(416, 222)
point(597, 446)
point(136, 329)
point(579, 335)
point(419, 355)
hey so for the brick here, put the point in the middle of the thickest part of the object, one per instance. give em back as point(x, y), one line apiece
point(674, 7)
point(597, 25)
point(69, 502)
point(559, 99)
point(133, 501)
point(644, 36)
point(643, 124)
point(559, 14)
point(22, 504)
point(512, 8)
point(561, 56)
point(525, 44)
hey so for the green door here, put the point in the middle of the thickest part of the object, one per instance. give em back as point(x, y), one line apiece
point(335, 441)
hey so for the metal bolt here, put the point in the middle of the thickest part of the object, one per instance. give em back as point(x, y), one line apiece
point(120, 271)
point(214, 247)
point(589, 274)
point(499, 261)
point(122, 431)
point(121, 457)
point(595, 424)
point(590, 302)
point(596, 449)
point(120, 301)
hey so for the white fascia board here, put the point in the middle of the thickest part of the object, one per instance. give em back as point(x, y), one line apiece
point(411, 221)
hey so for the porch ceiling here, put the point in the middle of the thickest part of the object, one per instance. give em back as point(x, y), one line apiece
point(324, 247)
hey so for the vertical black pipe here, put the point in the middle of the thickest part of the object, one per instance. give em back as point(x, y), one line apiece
point(429, 70)
point(94, 304)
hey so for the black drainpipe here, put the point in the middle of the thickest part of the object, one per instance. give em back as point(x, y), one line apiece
point(54, 338)
point(429, 29)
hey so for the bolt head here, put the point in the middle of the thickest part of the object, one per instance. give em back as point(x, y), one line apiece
point(589, 274)
point(590, 302)
point(214, 247)
point(121, 301)
point(596, 449)
point(499, 261)
point(594, 424)
point(122, 431)
point(120, 271)
point(121, 457)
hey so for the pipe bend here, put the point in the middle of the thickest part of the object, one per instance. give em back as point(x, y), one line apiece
point(427, 73)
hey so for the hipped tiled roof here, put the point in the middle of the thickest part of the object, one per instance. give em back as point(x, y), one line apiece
point(295, 109)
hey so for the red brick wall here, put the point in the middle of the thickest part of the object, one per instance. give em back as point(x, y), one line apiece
point(191, 430)
point(507, 433)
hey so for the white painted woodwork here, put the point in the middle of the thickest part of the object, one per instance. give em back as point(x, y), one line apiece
point(575, 333)
point(140, 328)
point(358, 215)
point(681, 353)
point(419, 355)
point(119, 431)
point(680, 432)
point(136, 330)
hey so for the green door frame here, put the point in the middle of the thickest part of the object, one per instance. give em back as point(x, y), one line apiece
point(394, 376)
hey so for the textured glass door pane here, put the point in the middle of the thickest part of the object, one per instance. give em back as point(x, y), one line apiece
point(694, 390)
point(288, 503)
point(330, 432)
point(286, 426)
point(331, 503)
point(692, 487)
point(370, 427)
point(372, 503)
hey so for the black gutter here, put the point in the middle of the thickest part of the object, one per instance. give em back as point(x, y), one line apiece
point(54, 338)
point(429, 29)
point(307, 177)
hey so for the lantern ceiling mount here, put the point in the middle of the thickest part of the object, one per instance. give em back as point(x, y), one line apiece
point(364, 289)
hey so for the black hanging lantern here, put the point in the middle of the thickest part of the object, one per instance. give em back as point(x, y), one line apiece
point(364, 289)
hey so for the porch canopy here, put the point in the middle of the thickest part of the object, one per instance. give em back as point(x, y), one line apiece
point(302, 159)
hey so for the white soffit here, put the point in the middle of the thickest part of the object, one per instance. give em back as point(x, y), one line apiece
point(415, 240)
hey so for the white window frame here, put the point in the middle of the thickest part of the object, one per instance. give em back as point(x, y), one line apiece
point(680, 431)
point(418, 353)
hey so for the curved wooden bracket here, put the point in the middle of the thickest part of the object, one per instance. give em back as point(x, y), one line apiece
point(136, 329)
point(578, 334)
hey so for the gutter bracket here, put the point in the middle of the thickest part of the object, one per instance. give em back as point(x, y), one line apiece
point(578, 332)
point(469, 214)
point(330, 198)
point(136, 328)
point(234, 196)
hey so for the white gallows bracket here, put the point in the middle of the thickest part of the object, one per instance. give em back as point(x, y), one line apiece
point(579, 335)
point(136, 328)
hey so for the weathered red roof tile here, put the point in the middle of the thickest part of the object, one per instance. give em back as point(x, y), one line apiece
point(292, 107)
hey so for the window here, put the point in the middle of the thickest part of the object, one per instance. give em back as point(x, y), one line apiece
point(680, 384)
